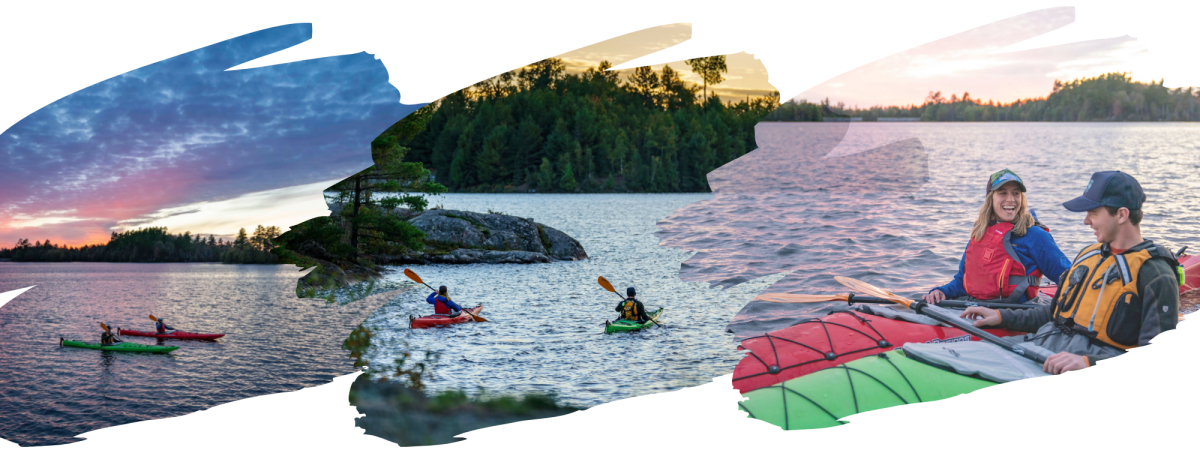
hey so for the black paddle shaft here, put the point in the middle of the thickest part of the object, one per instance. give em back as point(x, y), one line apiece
point(970, 328)
point(945, 303)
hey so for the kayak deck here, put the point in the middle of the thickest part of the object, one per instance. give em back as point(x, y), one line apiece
point(823, 398)
point(629, 326)
point(176, 335)
point(832, 340)
point(119, 347)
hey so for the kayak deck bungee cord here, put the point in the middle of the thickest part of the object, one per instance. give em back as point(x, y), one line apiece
point(821, 399)
point(829, 341)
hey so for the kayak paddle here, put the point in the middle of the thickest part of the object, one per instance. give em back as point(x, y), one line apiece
point(785, 298)
point(604, 282)
point(106, 329)
point(940, 314)
point(417, 278)
point(152, 318)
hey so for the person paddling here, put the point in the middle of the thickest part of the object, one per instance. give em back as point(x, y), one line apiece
point(107, 338)
point(442, 304)
point(161, 326)
point(1008, 252)
point(632, 309)
point(1119, 293)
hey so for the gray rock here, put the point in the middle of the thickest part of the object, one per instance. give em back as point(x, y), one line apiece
point(464, 237)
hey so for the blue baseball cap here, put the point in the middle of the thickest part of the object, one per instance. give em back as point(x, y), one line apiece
point(1001, 177)
point(1109, 188)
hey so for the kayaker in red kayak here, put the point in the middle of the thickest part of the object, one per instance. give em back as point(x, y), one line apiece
point(161, 326)
point(632, 309)
point(1008, 252)
point(1119, 294)
point(442, 304)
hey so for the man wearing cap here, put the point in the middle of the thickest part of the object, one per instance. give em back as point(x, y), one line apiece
point(1008, 250)
point(1118, 294)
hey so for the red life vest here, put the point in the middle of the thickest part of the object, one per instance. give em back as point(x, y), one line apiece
point(439, 307)
point(993, 269)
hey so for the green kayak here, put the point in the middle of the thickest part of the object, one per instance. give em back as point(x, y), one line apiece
point(820, 399)
point(629, 326)
point(122, 347)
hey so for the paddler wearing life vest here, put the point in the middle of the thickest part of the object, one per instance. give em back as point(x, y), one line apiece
point(442, 304)
point(107, 338)
point(161, 326)
point(1008, 252)
point(632, 309)
point(1119, 293)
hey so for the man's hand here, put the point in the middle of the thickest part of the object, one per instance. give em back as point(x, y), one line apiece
point(1063, 362)
point(982, 316)
point(935, 296)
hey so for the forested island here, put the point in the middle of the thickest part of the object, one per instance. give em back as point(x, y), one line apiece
point(540, 129)
point(1109, 97)
point(155, 245)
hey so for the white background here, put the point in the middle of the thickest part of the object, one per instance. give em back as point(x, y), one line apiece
point(1141, 400)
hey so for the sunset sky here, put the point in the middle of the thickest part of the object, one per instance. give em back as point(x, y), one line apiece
point(975, 61)
point(185, 144)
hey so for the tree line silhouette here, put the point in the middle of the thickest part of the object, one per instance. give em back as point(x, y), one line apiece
point(1109, 97)
point(155, 245)
point(541, 129)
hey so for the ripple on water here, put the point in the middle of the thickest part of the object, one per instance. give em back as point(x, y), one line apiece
point(898, 215)
point(274, 343)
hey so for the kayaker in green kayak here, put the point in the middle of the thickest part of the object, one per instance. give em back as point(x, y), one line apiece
point(107, 338)
point(632, 309)
point(1008, 252)
point(1118, 294)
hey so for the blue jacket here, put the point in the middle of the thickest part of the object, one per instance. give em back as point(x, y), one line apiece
point(434, 298)
point(1036, 249)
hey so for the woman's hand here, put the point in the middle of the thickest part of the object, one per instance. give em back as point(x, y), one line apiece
point(935, 296)
point(982, 316)
point(1063, 362)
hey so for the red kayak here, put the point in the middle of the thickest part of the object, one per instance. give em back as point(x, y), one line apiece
point(426, 322)
point(830, 341)
point(177, 335)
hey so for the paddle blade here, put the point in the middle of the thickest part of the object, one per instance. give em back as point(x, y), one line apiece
point(152, 318)
point(785, 298)
point(413, 275)
point(604, 282)
point(102, 326)
point(867, 288)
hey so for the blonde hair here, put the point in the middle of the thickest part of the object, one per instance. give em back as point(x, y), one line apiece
point(986, 217)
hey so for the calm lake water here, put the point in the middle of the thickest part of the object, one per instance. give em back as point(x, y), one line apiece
point(895, 204)
point(274, 343)
point(546, 321)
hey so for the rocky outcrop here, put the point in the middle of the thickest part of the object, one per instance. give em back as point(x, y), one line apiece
point(463, 237)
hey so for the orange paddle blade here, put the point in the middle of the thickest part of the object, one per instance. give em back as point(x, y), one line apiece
point(413, 275)
point(606, 284)
point(785, 298)
point(152, 318)
point(867, 288)
point(102, 326)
